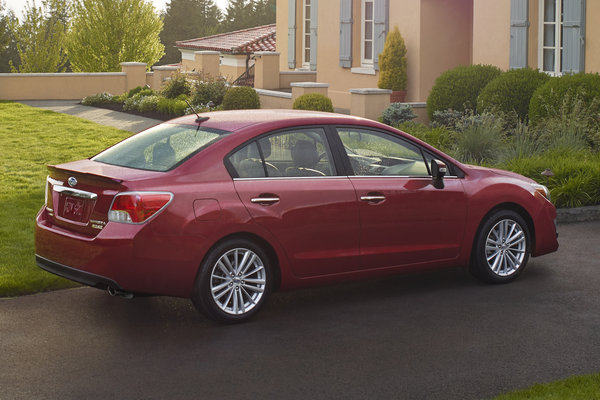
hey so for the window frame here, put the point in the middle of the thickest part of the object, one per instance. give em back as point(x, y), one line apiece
point(331, 149)
point(364, 62)
point(306, 33)
point(454, 171)
point(558, 39)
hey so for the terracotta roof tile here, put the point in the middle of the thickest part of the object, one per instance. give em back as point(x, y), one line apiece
point(261, 38)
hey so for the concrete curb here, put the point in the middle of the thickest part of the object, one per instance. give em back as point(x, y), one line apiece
point(580, 214)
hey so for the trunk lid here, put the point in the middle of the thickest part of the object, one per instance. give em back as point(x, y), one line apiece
point(79, 194)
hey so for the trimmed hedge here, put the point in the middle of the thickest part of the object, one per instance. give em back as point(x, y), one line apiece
point(511, 92)
point(314, 102)
point(561, 94)
point(241, 98)
point(459, 88)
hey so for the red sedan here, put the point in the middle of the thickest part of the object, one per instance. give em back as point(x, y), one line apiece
point(226, 208)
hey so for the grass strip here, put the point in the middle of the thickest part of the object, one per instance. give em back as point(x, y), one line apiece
point(586, 387)
point(30, 139)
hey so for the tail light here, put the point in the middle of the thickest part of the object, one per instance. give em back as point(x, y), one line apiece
point(137, 207)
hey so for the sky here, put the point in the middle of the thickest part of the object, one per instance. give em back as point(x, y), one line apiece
point(18, 5)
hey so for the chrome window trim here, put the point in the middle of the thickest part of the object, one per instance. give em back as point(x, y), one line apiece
point(428, 178)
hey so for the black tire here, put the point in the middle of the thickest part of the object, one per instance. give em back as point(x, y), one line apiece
point(502, 248)
point(223, 291)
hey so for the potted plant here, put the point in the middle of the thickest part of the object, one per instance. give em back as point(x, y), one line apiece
point(392, 65)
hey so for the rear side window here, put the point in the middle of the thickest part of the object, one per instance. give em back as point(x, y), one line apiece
point(160, 148)
point(298, 153)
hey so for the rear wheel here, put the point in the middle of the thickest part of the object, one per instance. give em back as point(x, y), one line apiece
point(502, 247)
point(234, 281)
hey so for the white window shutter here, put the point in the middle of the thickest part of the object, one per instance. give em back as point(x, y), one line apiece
point(573, 36)
point(380, 29)
point(346, 33)
point(314, 11)
point(292, 34)
point(519, 25)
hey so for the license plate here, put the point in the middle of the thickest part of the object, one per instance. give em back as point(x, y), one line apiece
point(73, 208)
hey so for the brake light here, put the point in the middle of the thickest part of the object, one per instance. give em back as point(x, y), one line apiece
point(137, 207)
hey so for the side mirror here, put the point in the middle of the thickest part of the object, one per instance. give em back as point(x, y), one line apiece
point(438, 171)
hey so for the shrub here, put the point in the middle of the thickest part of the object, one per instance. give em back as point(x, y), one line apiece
point(314, 102)
point(205, 92)
point(149, 103)
point(100, 98)
point(447, 118)
point(549, 98)
point(511, 92)
point(576, 180)
point(480, 139)
point(397, 113)
point(175, 107)
point(393, 63)
point(459, 87)
point(439, 137)
point(176, 86)
point(241, 98)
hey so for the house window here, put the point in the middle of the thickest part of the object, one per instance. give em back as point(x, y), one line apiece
point(367, 33)
point(551, 36)
point(306, 35)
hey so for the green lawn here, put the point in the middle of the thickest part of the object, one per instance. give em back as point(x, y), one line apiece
point(30, 139)
point(585, 387)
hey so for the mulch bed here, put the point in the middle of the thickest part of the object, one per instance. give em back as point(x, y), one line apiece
point(151, 114)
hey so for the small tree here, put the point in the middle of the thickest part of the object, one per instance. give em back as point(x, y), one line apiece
point(105, 33)
point(40, 38)
point(393, 63)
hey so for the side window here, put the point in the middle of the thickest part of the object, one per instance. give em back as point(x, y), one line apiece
point(373, 153)
point(303, 152)
point(247, 162)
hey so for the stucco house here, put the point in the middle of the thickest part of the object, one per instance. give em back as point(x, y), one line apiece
point(231, 53)
point(341, 39)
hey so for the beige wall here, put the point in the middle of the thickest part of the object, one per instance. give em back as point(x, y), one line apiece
point(445, 42)
point(71, 86)
point(491, 32)
point(592, 36)
point(60, 86)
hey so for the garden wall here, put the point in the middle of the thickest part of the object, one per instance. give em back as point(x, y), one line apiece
point(70, 86)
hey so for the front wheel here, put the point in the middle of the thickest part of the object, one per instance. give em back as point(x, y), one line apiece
point(234, 281)
point(502, 247)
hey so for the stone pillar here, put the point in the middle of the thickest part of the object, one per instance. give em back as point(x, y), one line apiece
point(161, 73)
point(207, 64)
point(266, 70)
point(369, 103)
point(302, 88)
point(135, 74)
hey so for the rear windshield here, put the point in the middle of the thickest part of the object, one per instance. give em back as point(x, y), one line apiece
point(160, 148)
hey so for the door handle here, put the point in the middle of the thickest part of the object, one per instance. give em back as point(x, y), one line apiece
point(372, 199)
point(264, 200)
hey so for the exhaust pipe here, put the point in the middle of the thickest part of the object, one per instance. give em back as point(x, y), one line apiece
point(117, 293)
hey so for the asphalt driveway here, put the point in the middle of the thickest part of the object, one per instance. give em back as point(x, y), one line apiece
point(435, 335)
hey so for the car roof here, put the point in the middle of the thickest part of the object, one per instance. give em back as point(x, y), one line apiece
point(236, 120)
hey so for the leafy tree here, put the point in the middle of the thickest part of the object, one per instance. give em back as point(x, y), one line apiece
point(8, 41)
point(105, 33)
point(187, 19)
point(4, 28)
point(40, 38)
point(242, 14)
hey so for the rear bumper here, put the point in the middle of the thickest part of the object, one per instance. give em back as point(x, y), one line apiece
point(83, 277)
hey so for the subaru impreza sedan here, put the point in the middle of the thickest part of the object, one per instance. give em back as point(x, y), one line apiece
point(227, 207)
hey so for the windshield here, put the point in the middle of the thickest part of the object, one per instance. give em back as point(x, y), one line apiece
point(160, 148)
